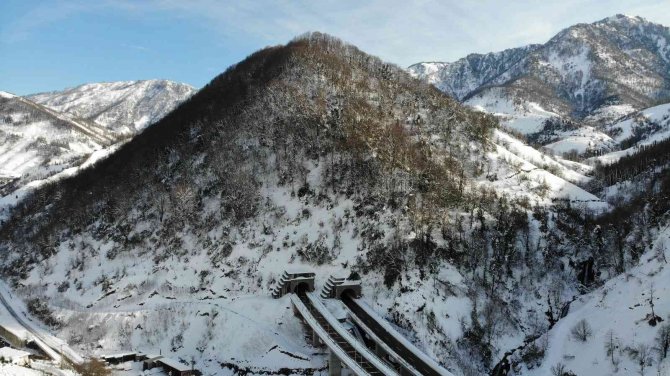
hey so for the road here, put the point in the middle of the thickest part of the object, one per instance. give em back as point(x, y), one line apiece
point(397, 346)
point(51, 347)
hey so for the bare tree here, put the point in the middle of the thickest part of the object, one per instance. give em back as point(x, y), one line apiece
point(612, 345)
point(559, 369)
point(653, 319)
point(582, 331)
point(642, 355)
point(663, 340)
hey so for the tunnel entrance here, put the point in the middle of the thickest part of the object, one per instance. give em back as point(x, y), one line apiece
point(302, 288)
point(349, 293)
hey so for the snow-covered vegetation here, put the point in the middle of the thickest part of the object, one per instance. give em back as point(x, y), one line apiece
point(124, 107)
point(472, 236)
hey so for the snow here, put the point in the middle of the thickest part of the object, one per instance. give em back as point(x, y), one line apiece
point(524, 117)
point(13, 198)
point(522, 171)
point(573, 67)
point(659, 116)
point(15, 370)
point(45, 340)
point(123, 107)
point(4, 94)
point(13, 355)
point(174, 364)
point(608, 114)
point(620, 306)
point(581, 140)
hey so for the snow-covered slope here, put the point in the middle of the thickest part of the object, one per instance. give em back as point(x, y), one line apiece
point(464, 76)
point(590, 74)
point(636, 130)
point(124, 107)
point(618, 313)
point(523, 172)
point(521, 116)
point(38, 143)
point(580, 141)
point(46, 136)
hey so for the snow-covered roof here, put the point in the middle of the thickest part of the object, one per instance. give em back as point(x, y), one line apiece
point(350, 283)
point(12, 354)
point(119, 355)
point(299, 270)
point(153, 357)
point(174, 364)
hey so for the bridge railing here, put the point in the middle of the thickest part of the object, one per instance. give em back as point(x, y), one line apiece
point(362, 353)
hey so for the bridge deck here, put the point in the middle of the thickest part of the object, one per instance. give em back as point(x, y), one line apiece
point(410, 354)
point(351, 352)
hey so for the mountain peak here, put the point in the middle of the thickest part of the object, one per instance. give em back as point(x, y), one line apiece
point(582, 68)
point(623, 19)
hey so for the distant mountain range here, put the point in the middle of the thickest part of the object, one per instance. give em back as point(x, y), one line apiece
point(53, 133)
point(586, 75)
point(123, 107)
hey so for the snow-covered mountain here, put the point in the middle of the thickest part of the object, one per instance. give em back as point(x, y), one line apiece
point(38, 143)
point(466, 75)
point(483, 250)
point(124, 107)
point(618, 60)
point(589, 74)
point(48, 136)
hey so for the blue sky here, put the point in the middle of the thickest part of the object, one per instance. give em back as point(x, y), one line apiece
point(50, 45)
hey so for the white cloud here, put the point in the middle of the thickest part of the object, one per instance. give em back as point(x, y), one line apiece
point(400, 31)
point(404, 31)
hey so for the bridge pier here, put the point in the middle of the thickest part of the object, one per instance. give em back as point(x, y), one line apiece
point(334, 364)
point(315, 338)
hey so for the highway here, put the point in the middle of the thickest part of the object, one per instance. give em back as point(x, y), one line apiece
point(48, 345)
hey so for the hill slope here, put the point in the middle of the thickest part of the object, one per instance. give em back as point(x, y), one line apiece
point(124, 107)
point(569, 88)
point(314, 154)
point(39, 143)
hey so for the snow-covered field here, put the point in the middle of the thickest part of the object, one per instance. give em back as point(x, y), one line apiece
point(581, 140)
point(524, 117)
point(650, 125)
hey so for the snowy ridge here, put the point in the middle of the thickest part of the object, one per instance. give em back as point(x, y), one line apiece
point(646, 127)
point(124, 107)
point(98, 134)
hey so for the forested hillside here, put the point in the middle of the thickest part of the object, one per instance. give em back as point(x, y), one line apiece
point(318, 155)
